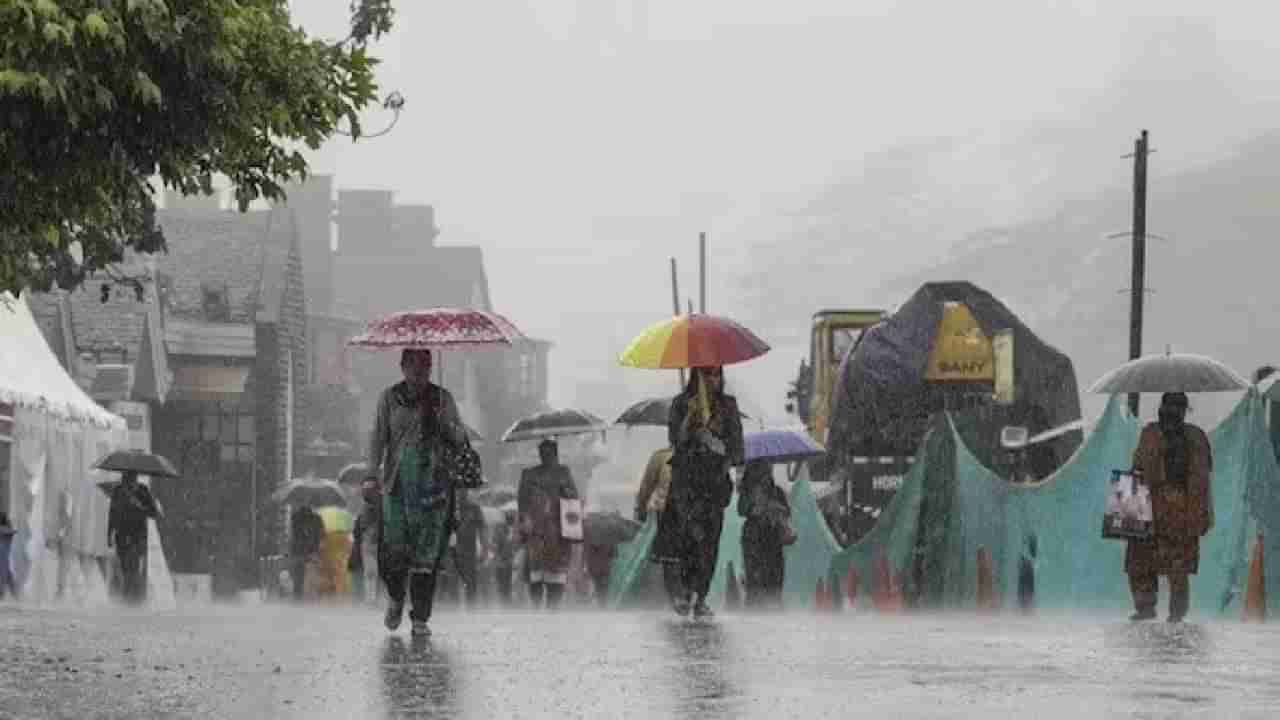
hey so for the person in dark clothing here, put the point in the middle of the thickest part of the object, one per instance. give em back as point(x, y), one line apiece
point(1176, 462)
point(538, 497)
point(131, 505)
point(1027, 575)
point(705, 432)
point(764, 534)
point(598, 557)
point(8, 586)
point(363, 563)
point(471, 546)
point(306, 535)
point(504, 557)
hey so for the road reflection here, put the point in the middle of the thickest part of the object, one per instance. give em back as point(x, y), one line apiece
point(418, 679)
point(700, 685)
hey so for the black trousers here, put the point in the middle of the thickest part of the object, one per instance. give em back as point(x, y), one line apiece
point(764, 559)
point(701, 537)
point(546, 595)
point(421, 588)
point(132, 553)
point(502, 581)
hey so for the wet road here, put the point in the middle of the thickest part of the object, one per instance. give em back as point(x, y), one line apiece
point(274, 661)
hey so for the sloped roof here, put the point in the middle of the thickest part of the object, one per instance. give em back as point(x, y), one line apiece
point(245, 253)
point(52, 313)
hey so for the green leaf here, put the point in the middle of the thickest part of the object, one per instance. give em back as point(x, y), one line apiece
point(146, 88)
point(95, 25)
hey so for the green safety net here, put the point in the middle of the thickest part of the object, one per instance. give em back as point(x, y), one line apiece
point(634, 579)
point(809, 558)
point(950, 505)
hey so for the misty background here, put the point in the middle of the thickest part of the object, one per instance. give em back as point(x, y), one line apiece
point(838, 154)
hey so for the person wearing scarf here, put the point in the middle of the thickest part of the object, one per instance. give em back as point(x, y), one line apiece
point(1175, 462)
point(705, 431)
point(414, 418)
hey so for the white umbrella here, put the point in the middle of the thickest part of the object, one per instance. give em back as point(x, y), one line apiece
point(1170, 372)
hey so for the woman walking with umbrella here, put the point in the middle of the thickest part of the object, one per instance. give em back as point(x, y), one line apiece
point(704, 428)
point(414, 418)
point(416, 429)
point(541, 489)
point(705, 432)
point(764, 534)
point(1175, 460)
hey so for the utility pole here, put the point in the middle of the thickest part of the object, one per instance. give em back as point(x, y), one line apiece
point(702, 272)
point(1137, 287)
point(675, 302)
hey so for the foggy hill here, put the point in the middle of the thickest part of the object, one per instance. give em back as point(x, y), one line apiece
point(1211, 280)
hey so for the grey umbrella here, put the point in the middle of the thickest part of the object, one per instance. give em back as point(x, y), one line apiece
point(553, 424)
point(600, 528)
point(1170, 372)
point(139, 461)
point(312, 492)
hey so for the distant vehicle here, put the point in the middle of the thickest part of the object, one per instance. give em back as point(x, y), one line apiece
point(874, 380)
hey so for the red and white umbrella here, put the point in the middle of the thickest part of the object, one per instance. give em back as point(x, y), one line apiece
point(438, 328)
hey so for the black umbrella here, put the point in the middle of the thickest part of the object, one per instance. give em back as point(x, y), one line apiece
point(553, 424)
point(311, 492)
point(654, 411)
point(139, 461)
point(611, 528)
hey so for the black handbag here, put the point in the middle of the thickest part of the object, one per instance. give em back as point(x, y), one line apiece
point(461, 465)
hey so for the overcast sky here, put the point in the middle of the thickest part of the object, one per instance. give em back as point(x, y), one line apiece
point(582, 143)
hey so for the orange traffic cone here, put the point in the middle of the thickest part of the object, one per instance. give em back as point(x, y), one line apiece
point(987, 600)
point(1255, 594)
point(819, 596)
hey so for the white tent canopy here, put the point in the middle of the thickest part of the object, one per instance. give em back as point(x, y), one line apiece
point(32, 377)
point(55, 506)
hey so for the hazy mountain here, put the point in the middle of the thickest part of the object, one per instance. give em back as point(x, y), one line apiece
point(1209, 280)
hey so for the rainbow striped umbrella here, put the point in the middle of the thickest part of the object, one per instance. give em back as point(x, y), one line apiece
point(693, 340)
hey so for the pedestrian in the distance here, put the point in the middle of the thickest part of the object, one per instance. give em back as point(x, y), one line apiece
point(504, 557)
point(131, 506)
point(8, 586)
point(306, 533)
point(471, 547)
point(538, 497)
point(1175, 461)
point(705, 432)
point(364, 544)
point(766, 531)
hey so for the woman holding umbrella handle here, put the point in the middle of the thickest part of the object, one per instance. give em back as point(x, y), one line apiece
point(414, 418)
point(705, 431)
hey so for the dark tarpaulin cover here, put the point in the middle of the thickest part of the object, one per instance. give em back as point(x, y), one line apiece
point(883, 402)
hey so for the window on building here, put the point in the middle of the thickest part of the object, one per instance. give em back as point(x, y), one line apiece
point(216, 303)
point(228, 424)
point(528, 375)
